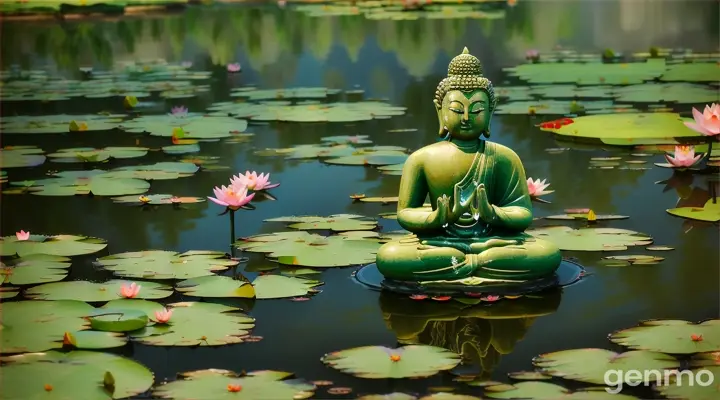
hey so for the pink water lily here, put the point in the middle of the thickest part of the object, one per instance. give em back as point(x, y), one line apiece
point(22, 235)
point(684, 157)
point(253, 181)
point(537, 187)
point(179, 111)
point(162, 317)
point(234, 67)
point(232, 197)
point(532, 54)
point(707, 122)
point(130, 291)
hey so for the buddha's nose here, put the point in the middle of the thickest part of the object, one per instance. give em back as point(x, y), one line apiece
point(466, 115)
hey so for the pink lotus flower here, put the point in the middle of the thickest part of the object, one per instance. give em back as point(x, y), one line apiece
point(130, 291)
point(232, 197)
point(234, 67)
point(162, 317)
point(22, 235)
point(537, 187)
point(684, 157)
point(491, 298)
point(532, 54)
point(253, 181)
point(707, 123)
point(179, 111)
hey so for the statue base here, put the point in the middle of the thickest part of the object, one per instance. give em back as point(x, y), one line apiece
point(567, 274)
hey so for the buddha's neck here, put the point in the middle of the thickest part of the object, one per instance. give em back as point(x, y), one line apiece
point(470, 146)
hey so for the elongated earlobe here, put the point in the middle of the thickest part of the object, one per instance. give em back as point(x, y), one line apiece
point(438, 110)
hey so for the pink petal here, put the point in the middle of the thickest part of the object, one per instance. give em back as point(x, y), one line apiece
point(216, 201)
point(698, 128)
point(274, 185)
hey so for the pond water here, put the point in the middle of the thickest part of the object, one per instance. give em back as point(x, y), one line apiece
point(401, 61)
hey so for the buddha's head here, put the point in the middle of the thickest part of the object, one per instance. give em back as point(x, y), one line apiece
point(465, 100)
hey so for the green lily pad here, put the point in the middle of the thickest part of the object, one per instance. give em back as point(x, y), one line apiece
point(528, 376)
point(588, 74)
point(389, 396)
point(118, 320)
point(253, 94)
point(326, 112)
point(157, 199)
point(377, 362)
point(263, 287)
point(88, 154)
point(29, 326)
point(583, 216)
point(551, 107)
point(623, 261)
point(220, 325)
point(684, 93)
point(60, 245)
point(570, 91)
point(591, 239)
point(701, 388)
point(35, 268)
point(182, 149)
point(157, 171)
point(159, 264)
point(310, 250)
point(591, 365)
point(627, 129)
point(549, 391)
point(449, 396)
point(337, 222)
point(216, 384)
point(671, 336)
point(345, 139)
point(57, 123)
point(376, 158)
point(279, 287)
point(74, 375)
point(194, 126)
point(709, 213)
point(8, 292)
point(97, 182)
point(21, 156)
point(691, 72)
point(92, 291)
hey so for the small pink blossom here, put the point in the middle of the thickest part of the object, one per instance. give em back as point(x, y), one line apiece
point(491, 298)
point(532, 54)
point(163, 316)
point(179, 111)
point(684, 157)
point(707, 122)
point(253, 181)
point(234, 67)
point(22, 235)
point(536, 188)
point(232, 197)
point(130, 291)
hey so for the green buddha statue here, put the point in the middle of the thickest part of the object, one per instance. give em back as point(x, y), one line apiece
point(473, 231)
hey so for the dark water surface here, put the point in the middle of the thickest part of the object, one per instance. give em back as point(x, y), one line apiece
point(403, 62)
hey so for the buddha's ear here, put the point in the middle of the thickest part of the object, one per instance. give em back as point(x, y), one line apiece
point(438, 109)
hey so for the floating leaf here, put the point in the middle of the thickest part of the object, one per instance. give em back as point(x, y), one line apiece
point(671, 336)
point(389, 396)
point(622, 261)
point(194, 126)
point(684, 93)
point(581, 216)
point(695, 384)
point(591, 365)
point(157, 199)
point(74, 375)
point(118, 320)
point(56, 123)
point(89, 154)
point(157, 171)
point(97, 182)
point(659, 248)
point(549, 391)
point(279, 287)
point(588, 74)
point(253, 94)
point(310, 250)
point(691, 72)
point(551, 107)
point(21, 156)
point(216, 384)
point(377, 362)
point(216, 286)
point(591, 239)
point(326, 112)
point(345, 139)
point(383, 200)
point(337, 223)
point(60, 245)
point(709, 213)
point(370, 157)
point(528, 376)
point(35, 268)
point(92, 291)
point(182, 149)
point(449, 396)
point(159, 264)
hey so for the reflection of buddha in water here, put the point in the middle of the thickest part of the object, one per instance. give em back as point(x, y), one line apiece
point(480, 206)
point(479, 333)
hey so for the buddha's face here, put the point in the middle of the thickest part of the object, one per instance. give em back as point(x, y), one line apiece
point(466, 115)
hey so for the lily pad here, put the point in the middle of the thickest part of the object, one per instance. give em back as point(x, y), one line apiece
point(551, 107)
point(57, 123)
point(345, 139)
point(97, 182)
point(182, 149)
point(326, 112)
point(60, 245)
point(310, 250)
point(671, 336)
point(92, 291)
point(157, 171)
point(591, 239)
point(159, 264)
point(221, 325)
point(279, 287)
point(223, 384)
point(389, 396)
point(709, 213)
point(157, 199)
point(684, 93)
point(590, 73)
point(253, 94)
point(584, 216)
point(194, 126)
point(528, 376)
point(571, 91)
point(377, 362)
point(120, 320)
point(337, 223)
point(263, 287)
point(21, 156)
point(35, 268)
point(703, 386)
point(692, 72)
point(549, 391)
point(591, 365)
point(622, 261)
point(74, 375)
point(88, 154)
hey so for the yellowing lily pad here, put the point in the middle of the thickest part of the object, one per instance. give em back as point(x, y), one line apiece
point(91, 291)
point(157, 199)
point(218, 384)
point(89, 154)
point(383, 200)
point(60, 245)
point(159, 264)
point(337, 223)
point(310, 250)
point(377, 362)
point(74, 375)
point(591, 239)
point(591, 365)
point(21, 156)
point(549, 391)
point(671, 336)
point(709, 213)
point(584, 216)
point(35, 268)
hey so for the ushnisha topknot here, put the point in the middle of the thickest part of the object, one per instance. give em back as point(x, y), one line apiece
point(465, 74)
